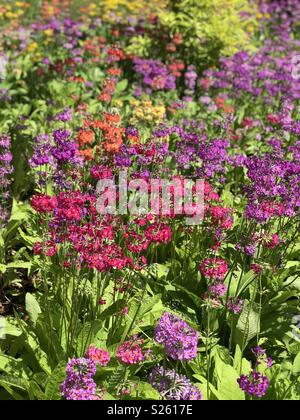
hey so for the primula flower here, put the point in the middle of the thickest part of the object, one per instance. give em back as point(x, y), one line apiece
point(180, 340)
point(98, 356)
point(101, 172)
point(130, 353)
point(159, 233)
point(85, 137)
point(217, 289)
point(173, 386)
point(79, 384)
point(44, 203)
point(214, 268)
point(6, 170)
point(49, 248)
point(255, 384)
point(235, 305)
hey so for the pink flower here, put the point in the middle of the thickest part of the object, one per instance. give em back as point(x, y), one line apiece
point(214, 268)
point(101, 172)
point(130, 353)
point(159, 233)
point(272, 242)
point(44, 203)
point(98, 356)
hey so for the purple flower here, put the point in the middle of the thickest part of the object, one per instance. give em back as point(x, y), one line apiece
point(180, 340)
point(42, 152)
point(254, 384)
point(64, 116)
point(79, 384)
point(155, 74)
point(173, 386)
point(217, 289)
point(235, 305)
point(190, 78)
point(65, 150)
point(261, 357)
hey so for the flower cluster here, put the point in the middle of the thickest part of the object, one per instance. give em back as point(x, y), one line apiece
point(155, 75)
point(44, 203)
point(235, 305)
point(148, 113)
point(215, 270)
point(179, 339)
point(173, 386)
point(256, 383)
point(79, 384)
point(130, 352)
point(98, 356)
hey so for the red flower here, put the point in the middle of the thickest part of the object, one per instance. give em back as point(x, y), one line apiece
point(214, 268)
point(44, 203)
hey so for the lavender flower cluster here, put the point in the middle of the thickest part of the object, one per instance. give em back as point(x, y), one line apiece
point(155, 75)
point(180, 340)
point(173, 386)
point(79, 384)
point(256, 383)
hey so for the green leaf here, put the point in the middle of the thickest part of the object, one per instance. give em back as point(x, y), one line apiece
point(11, 329)
point(228, 386)
point(248, 325)
point(296, 365)
point(14, 367)
point(33, 346)
point(32, 307)
point(6, 382)
point(52, 390)
point(121, 86)
point(87, 336)
point(113, 309)
point(147, 392)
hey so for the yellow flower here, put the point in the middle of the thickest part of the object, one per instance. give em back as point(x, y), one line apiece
point(118, 103)
point(48, 32)
point(32, 47)
point(145, 111)
point(10, 15)
point(37, 57)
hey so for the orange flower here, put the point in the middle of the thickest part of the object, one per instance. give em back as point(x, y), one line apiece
point(86, 137)
point(112, 147)
point(112, 118)
point(220, 102)
point(114, 72)
point(104, 97)
point(229, 109)
point(87, 154)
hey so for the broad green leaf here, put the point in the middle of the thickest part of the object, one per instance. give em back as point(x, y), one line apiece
point(248, 325)
point(228, 386)
point(32, 307)
point(296, 365)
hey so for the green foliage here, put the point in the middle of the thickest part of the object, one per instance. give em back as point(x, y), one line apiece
point(209, 28)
